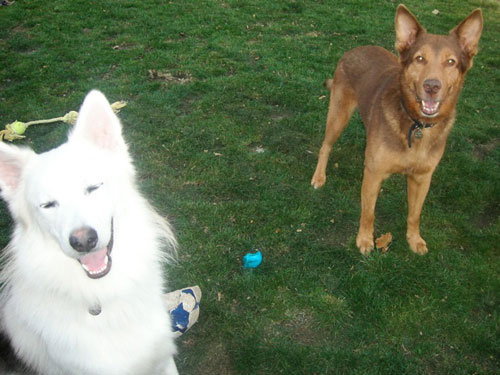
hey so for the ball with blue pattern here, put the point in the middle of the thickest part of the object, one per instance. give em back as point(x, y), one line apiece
point(185, 308)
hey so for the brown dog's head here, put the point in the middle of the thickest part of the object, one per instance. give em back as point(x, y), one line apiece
point(434, 66)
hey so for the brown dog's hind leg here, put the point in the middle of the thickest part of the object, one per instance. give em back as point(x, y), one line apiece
point(342, 105)
point(418, 186)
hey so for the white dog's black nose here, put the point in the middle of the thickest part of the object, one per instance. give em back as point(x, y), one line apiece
point(83, 239)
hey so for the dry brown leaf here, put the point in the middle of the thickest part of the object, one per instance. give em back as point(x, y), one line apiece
point(383, 242)
point(177, 77)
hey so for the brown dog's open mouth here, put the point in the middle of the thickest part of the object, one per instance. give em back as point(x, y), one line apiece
point(98, 263)
point(429, 108)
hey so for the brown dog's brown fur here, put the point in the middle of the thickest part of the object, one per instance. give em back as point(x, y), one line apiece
point(427, 80)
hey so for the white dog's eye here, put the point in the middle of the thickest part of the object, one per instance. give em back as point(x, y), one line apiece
point(50, 204)
point(92, 188)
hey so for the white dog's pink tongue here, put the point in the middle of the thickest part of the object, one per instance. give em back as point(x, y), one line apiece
point(95, 262)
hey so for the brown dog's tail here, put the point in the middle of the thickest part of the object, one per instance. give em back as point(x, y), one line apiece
point(328, 83)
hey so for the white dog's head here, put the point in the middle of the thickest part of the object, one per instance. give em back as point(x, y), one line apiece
point(70, 193)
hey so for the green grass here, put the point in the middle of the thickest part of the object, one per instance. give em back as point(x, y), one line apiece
point(254, 72)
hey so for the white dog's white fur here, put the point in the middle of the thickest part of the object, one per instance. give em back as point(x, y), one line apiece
point(58, 318)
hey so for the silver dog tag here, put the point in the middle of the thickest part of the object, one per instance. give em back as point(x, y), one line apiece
point(418, 133)
point(95, 310)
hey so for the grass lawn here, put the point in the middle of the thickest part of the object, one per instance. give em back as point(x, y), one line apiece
point(225, 116)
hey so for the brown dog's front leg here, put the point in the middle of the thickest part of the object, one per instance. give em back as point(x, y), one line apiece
point(370, 189)
point(418, 186)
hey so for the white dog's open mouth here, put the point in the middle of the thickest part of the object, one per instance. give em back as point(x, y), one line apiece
point(98, 263)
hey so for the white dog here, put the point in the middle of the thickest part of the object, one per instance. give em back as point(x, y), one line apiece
point(83, 277)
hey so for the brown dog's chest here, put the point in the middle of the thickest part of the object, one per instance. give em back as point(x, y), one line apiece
point(417, 160)
point(388, 151)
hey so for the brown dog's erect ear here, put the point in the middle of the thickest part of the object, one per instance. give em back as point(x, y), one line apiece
point(407, 28)
point(469, 32)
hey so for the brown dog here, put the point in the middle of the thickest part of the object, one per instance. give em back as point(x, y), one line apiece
point(408, 108)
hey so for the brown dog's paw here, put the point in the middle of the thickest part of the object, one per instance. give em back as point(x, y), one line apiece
point(318, 180)
point(364, 244)
point(417, 245)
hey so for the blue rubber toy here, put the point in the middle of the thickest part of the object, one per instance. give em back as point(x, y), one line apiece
point(252, 260)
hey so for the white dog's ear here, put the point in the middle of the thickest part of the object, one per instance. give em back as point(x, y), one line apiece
point(13, 160)
point(98, 124)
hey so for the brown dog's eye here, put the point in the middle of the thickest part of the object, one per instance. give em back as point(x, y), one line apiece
point(419, 59)
point(450, 62)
